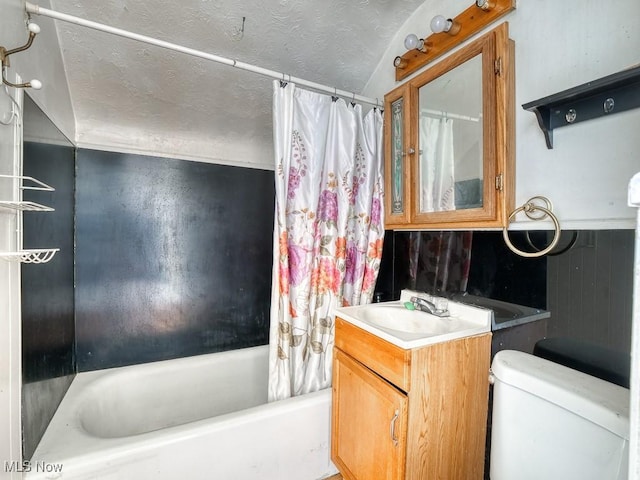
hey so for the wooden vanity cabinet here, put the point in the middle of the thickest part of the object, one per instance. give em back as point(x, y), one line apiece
point(469, 183)
point(409, 414)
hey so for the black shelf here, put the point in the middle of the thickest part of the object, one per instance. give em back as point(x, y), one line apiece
point(605, 96)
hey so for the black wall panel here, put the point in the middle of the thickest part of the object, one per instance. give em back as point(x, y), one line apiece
point(47, 291)
point(591, 289)
point(496, 272)
point(173, 258)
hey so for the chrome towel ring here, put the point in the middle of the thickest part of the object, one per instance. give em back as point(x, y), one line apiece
point(530, 208)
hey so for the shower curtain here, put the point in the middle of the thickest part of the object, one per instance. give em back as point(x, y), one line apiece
point(328, 230)
point(436, 165)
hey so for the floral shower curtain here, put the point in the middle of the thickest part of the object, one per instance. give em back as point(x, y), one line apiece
point(328, 230)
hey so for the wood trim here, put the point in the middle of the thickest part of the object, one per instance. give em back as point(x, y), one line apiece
point(471, 21)
point(505, 131)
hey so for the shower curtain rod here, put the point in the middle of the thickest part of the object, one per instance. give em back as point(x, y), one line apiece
point(37, 10)
point(442, 113)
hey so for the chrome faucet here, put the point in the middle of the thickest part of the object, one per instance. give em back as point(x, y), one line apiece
point(425, 305)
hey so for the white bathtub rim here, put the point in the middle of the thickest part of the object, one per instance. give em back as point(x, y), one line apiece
point(113, 450)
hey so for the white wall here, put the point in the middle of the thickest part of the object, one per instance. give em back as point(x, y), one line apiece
point(559, 45)
point(44, 63)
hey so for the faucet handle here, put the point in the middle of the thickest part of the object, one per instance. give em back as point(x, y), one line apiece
point(439, 309)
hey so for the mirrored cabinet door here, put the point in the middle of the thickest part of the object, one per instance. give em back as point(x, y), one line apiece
point(449, 139)
point(459, 116)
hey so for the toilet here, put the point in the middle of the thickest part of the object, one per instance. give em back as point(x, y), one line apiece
point(552, 422)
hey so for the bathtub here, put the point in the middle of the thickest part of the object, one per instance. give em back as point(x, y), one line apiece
point(202, 417)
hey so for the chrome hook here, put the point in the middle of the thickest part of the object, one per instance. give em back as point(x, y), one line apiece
point(34, 29)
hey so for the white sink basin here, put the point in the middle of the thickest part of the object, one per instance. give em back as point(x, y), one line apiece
point(397, 317)
point(407, 329)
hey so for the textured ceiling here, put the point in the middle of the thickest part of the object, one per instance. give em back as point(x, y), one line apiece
point(127, 93)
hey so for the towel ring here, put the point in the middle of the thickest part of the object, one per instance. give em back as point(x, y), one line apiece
point(529, 209)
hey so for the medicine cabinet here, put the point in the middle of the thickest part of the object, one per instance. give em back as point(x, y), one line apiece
point(449, 140)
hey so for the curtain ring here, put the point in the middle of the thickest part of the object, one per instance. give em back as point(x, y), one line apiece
point(531, 207)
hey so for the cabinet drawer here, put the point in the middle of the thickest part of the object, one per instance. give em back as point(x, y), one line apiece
point(387, 360)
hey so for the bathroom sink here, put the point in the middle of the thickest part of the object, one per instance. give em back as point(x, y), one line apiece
point(407, 329)
point(397, 317)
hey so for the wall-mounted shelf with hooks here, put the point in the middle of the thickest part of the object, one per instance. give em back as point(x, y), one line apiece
point(605, 96)
point(40, 255)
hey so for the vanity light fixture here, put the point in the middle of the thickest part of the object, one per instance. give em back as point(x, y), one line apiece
point(34, 29)
point(448, 33)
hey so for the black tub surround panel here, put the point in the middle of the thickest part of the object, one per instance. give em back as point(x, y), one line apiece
point(173, 258)
point(48, 328)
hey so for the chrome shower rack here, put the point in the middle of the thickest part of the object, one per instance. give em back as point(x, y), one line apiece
point(40, 255)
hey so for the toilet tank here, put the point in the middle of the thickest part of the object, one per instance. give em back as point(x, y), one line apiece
point(551, 422)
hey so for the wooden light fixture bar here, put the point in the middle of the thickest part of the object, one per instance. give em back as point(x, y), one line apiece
point(467, 23)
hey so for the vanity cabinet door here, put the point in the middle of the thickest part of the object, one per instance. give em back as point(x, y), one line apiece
point(369, 423)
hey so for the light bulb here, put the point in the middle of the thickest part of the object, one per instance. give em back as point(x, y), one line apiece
point(33, 27)
point(411, 41)
point(439, 24)
point(484, 4)
point(35, 84)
